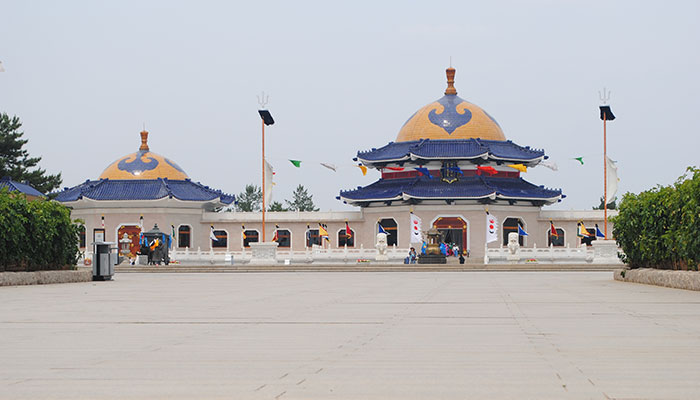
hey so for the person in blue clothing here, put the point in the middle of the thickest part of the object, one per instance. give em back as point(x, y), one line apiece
point(412, 255)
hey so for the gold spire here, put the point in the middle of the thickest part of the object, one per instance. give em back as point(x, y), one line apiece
point(144, 140)
point(450, 81)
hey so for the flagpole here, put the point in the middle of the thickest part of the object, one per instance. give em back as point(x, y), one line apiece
point(263, 180)
point(605, 175)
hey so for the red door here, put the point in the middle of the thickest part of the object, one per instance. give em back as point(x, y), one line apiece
point(132, 233)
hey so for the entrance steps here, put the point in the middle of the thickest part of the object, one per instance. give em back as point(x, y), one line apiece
point(369, 267)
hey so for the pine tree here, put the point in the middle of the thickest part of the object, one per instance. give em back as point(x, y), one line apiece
point(276, 206)
point(611, 206)
point(15, 161)
point(301, 200)
point(250, 199)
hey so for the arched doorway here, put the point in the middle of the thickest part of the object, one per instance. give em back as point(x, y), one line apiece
point(454, 230)
point(510, 224)
point(132, 233)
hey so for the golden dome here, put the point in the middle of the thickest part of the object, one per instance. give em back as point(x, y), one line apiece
point(143, 165)
point(450, 117)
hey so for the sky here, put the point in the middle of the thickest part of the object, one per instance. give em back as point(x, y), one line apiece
point(84, 77)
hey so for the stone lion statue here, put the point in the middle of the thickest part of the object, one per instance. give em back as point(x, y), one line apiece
point(381, 247)
point(513, 244)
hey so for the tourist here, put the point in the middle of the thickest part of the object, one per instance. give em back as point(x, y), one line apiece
point(412, 255)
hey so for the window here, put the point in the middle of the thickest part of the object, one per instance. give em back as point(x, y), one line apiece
point(284, 238)
point(556, 241)
point(183, 236)
point(222, 239)
point(511, 225)
point(98, 235)
point(392, 234)
point(312, 237)
point(81, 236)
point(344, 240)
point(250, 236)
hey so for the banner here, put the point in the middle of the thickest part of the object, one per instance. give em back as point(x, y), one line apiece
point(611, 180)
point(491, 228)
point(268, 183)
point(416, 229)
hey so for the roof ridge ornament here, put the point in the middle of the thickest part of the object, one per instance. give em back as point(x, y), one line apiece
point(450, 72)
point(144, 140)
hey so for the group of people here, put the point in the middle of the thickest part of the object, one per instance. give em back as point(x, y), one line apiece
point(447, 249)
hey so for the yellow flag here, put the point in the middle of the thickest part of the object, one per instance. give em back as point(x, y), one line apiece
point(519, 167)
point(363, 168)
point(322, 231)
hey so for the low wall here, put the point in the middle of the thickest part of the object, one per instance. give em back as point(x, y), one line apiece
point(689, 280)
point(44, 277)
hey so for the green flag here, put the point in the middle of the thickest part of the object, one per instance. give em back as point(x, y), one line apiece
point(297, 163)
point(579, 159)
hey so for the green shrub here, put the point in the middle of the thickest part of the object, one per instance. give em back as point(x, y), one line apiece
point(660, 227)
point(36, 235)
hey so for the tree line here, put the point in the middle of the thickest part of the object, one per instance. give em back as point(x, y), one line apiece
point(660, 227)
point(251, 200)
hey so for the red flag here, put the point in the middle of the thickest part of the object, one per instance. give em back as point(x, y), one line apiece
point(552, 229)
point(487, 170)
point(275, 237)
point(348, 232)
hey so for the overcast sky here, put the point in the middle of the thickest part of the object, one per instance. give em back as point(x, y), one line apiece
point(85, 76)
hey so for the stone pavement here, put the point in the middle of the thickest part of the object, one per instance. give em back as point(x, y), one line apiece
point(422, 335)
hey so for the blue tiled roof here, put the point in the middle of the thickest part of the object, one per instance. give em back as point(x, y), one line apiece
point(143, 189)
point(471, 188)
point(13, 186)
point(465, 149)
point(390, 152)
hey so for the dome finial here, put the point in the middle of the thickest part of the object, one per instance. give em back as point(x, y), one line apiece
point(450, 80)
point(144, 140)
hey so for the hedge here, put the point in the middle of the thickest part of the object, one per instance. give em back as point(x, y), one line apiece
point(660, 227)
point(36, 235)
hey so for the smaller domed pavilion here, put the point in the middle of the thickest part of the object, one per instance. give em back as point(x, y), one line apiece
point(141, 189)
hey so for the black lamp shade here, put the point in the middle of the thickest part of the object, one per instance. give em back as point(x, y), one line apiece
point(266, 117)
point(606, 113)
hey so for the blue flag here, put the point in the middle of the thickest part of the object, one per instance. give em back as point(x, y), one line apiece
point(598, 233)
point(381, 229)
point(424, 171)
point(456, 169)
point(521, 231)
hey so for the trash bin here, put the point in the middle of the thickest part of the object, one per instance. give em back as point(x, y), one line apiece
point(104, 260)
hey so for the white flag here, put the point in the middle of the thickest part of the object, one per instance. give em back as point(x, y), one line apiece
point(611, 180)
point(268, 183)
point(491, 228)
point(1, 68)
point(212, 236)
point(416, 229)
point(329, 166)
point(550, 164)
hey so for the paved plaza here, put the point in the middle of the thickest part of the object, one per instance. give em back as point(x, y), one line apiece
point(473, 335)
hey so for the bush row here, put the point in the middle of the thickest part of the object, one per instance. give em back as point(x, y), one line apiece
point(660, 228)
point(36, 235)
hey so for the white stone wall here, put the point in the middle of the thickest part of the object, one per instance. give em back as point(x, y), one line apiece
point(165, 212)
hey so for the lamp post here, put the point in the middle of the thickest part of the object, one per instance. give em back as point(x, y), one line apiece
point(606, 115)
point(266, 118)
